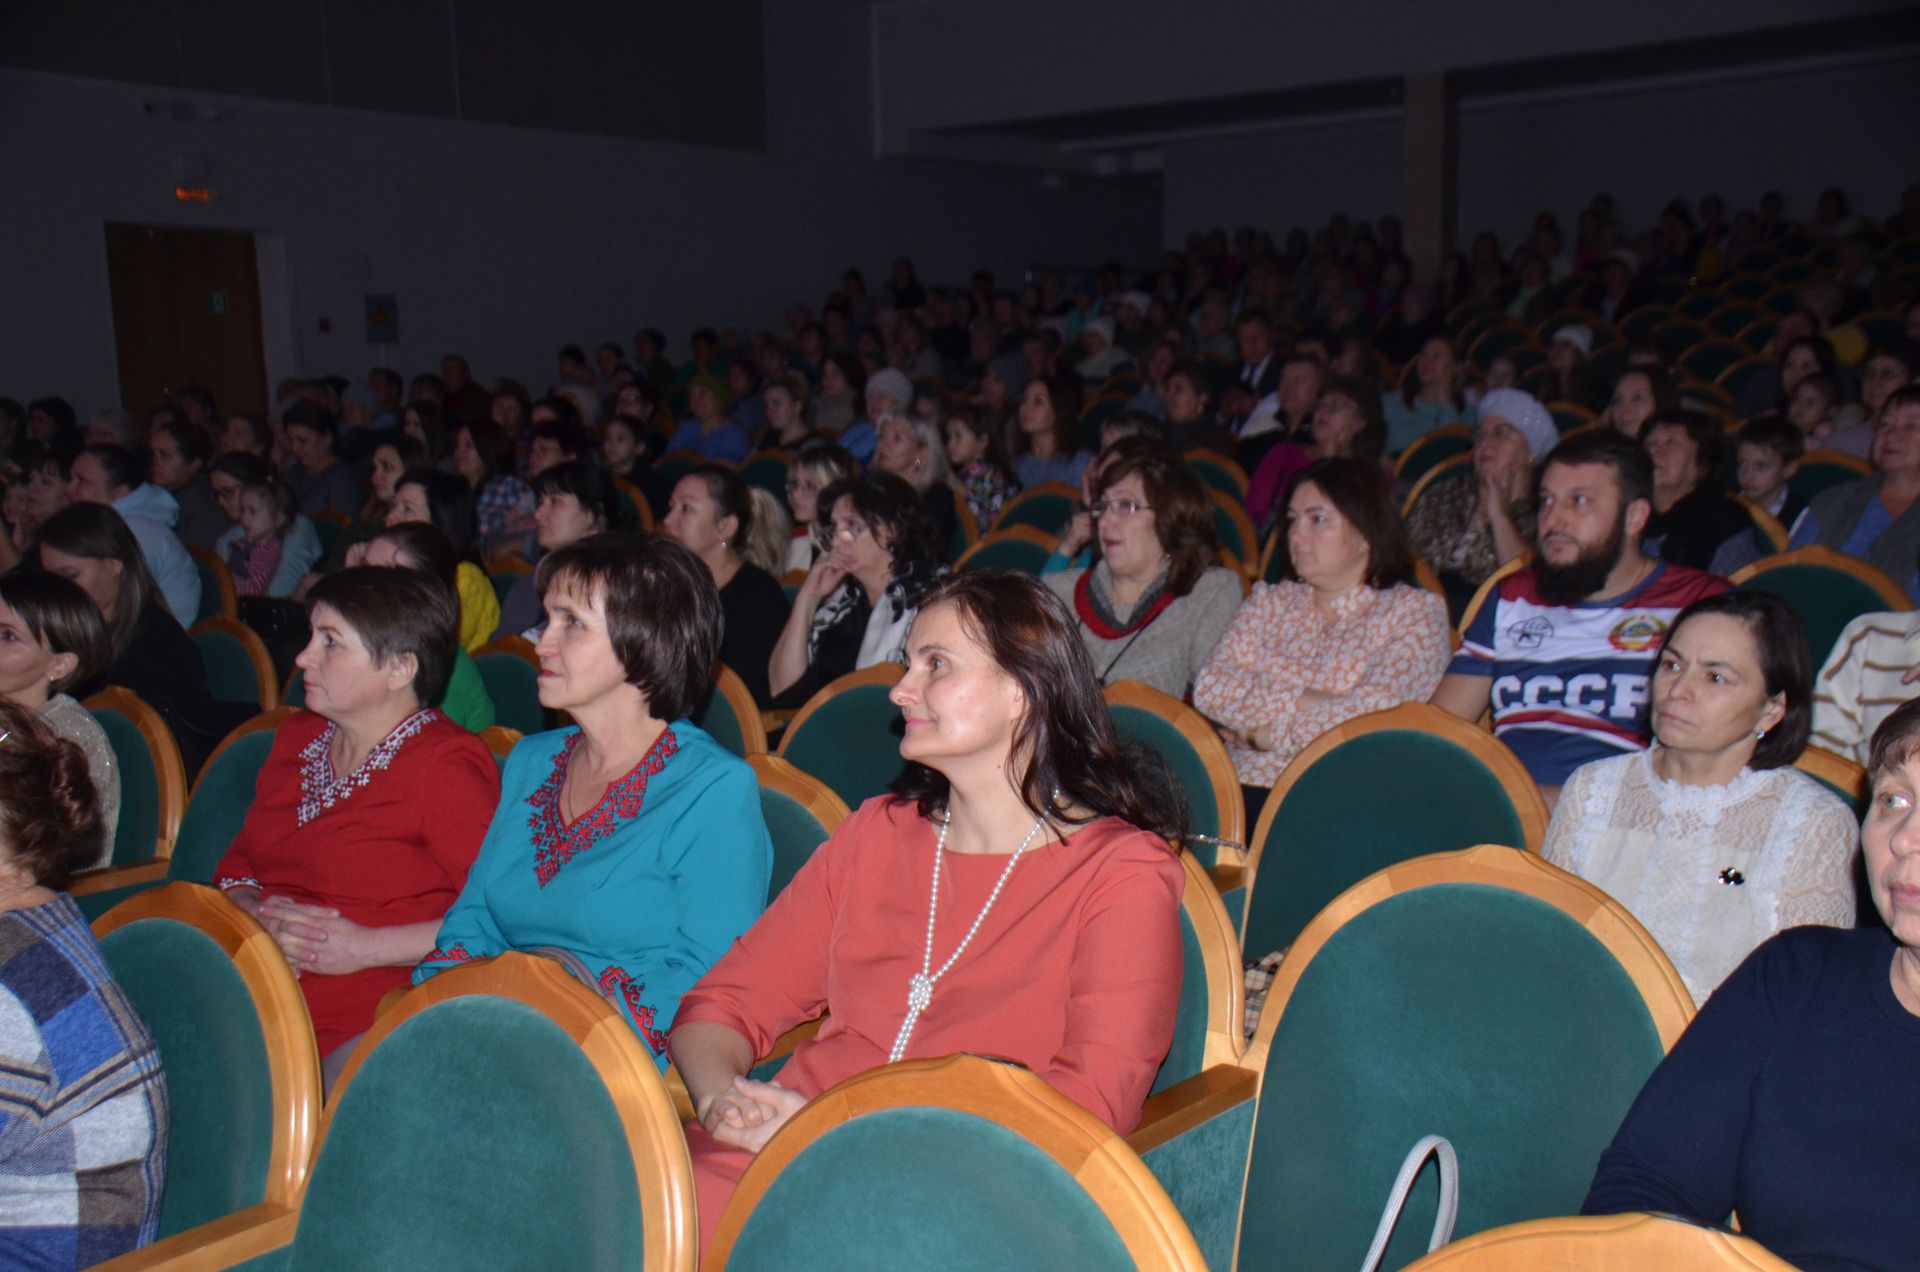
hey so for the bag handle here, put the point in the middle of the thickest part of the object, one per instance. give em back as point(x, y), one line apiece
point(1440, 1148)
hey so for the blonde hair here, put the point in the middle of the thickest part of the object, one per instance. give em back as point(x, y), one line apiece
point(765, 542)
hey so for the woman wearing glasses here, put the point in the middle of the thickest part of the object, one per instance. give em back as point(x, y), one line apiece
point(1153, 604)
point(816, 466)
point(877, 560)
point(1345, 634)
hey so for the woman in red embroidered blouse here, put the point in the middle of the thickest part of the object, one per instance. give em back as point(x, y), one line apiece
point(1053, 938)
point(369, 809)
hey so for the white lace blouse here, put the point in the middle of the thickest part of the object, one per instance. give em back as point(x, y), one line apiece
point(1710, 871)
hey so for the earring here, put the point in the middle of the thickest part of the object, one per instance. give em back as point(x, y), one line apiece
point(1761, 734)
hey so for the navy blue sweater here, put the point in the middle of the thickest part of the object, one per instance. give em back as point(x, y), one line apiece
point(1794, 1097)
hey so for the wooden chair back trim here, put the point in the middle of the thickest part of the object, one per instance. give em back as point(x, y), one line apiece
point(753, 733)
point(886, 673)
point(1652, 1243)
point(500, 739)
point(969, 524)
point(263, 673)
point(1836, 770)
point(1237, 514)
point(640, 504)
point(802, 787)
point(519, 646)
point(1225, 463)
point(663, 1171)
point(222, 580)
point(1025, 534)
point(1484, 593)
point(509, 563)
point(1420, 717)
point(168, 767)
point(1838, 459)
point(1201, 737)
point(1494, 865)
point(1445, 470)
point(1420, 443)
point(1765, 523)
point(1220, 949)
point(293, 1058)
point(1879, 580)
point(265, 720)
point(1099, 1161)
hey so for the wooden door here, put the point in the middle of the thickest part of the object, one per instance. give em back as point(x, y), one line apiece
point(186, 310)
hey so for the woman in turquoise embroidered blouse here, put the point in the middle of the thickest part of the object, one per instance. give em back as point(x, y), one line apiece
point(631, 846)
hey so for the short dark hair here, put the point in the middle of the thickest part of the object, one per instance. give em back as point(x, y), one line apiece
point(886, 502)
point(1777, 435)
point(1254, 314)
point(201, 394)
point(1896, 741)
point(387, 375)
point(396, 613)
point(58, 410)
point(257, 425)
point(1359, 490)
point(244, 467)
point(589, 483)
point(450, 504)
point(62, 616)
point(663, 612)
point(1905, 395)
point(1708, 439)
point(493, 445)
point(1786, 666)
point(194, 444)
point(312, 416)
point(1182, 509)
point(567, 432)
point(1371, 441)
point(97, 533)
point(1073, 755)
point(425, 548)
point(1194, 373)
point(1631, 468)
point(572, 353)
point(120, 466)
point(49, 806)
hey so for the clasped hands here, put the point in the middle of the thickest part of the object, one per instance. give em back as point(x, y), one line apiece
point(313, 937)
point(748, 1113)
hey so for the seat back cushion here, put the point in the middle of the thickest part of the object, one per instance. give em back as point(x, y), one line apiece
point(138, 835)
point(795, 832)
point(221, 797)
point(852, 743)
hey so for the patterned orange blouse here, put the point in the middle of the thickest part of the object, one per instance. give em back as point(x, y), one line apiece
point(1383, 647)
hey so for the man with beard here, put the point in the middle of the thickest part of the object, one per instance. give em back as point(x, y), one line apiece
point(1562, 652)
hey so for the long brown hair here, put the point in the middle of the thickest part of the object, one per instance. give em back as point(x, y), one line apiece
point(1072, 753)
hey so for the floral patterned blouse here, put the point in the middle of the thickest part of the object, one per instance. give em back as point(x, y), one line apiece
point(987, 488)
point(1383, 647)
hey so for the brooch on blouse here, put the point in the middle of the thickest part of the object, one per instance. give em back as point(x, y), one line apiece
point(321, 788)
point(1731, 876)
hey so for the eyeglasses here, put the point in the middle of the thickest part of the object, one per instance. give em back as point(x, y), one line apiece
point(1122, 508)
point(826, 533)
point(801, 485)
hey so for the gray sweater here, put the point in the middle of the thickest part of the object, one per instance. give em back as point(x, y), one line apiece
point(1170, 651)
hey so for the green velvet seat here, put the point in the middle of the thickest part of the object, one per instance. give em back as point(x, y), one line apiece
point(1007, 553)
point(796, 833)
point(219, 1084)
point(768, 471)
point(295, 693)
point(1235, 534)
point(724, 716)
point(1151, 720)
point(948, 1164)
point(1432, 448)
point(514, 685)
point(211, 597)
point(1162, 737)
point(475, 1135)
point(1482, 1013)
point(848, 736)
point(1354, 804)
point(1826, 596)
point(1045, 509)
point(1217, 474)
point(503, 582)
point(229, 667)
point(138, 835)
point(718, 721)
point(222, 794)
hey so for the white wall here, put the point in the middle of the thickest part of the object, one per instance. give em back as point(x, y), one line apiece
point(502, 242)
point(1798, 130)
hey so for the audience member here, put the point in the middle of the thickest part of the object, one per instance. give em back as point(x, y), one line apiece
point(1711, 837)
point(913, 450)
point(977, 466)
point(87, 1142)
point(1561, 652)
point(1042, 442)
point(1877, 518)
point(818, 465)
point(111, 476)
point(629, 845)
point(878, 559)
point(502, 503)
point(1869, 674)
point(321, 481)
point(1154, 604)
point(418, 546)
point(446, 503)
point(1431, 395)
point(1053, 837)
point(371, 805)
point(1346, 424)
point(1692, 512)
point(739, 533)
point(300, 548)
point(1638, 395)
point(53, 638)
point(178, 456)
point(1346, 633)
point(1779, 1100)
point(253, 553)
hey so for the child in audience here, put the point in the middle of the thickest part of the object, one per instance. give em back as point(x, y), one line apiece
point(979, 465)
point(1812, 408)
point(266, 513)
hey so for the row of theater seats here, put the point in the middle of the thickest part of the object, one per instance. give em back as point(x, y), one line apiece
point(1350, 1061)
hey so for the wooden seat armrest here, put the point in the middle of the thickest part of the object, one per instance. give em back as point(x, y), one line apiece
point(117, 877)
point(1185, 1105)
point(1227, 878)
point(221, 1243)
point(773, 720)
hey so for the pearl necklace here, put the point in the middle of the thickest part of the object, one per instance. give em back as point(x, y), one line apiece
point(920, 988)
